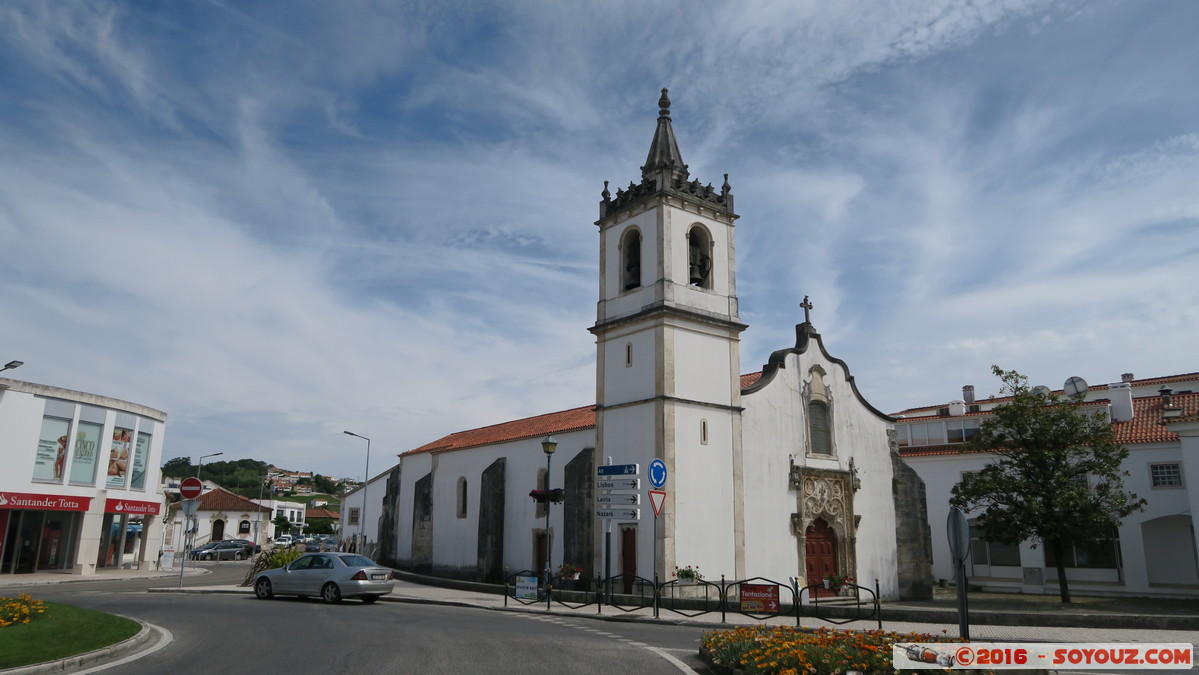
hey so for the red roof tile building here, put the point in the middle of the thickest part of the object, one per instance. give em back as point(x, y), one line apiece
point(782, 473)
point(1152, 553)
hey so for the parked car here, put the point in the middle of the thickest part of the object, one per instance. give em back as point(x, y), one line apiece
point(283, 540)
point(250, 547)
point(332, 576)
point(220, 550)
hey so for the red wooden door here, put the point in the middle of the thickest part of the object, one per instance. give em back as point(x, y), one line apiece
point(628, 557)
point(820, 546)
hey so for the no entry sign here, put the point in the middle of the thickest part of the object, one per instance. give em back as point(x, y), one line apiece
point(190, 488)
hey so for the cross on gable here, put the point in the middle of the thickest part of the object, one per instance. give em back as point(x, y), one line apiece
point(807, 309)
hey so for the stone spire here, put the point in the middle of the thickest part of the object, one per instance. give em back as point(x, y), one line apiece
point(664, 162)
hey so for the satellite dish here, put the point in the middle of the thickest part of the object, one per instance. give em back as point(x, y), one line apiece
point(1041, 390)
point(1075, 386)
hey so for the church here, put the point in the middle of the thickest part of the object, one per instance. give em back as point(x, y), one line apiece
point(785, 473)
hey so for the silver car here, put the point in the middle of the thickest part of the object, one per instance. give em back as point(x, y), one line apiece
point(331, 575)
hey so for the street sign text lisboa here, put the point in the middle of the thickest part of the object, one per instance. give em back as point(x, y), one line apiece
point(617, 477)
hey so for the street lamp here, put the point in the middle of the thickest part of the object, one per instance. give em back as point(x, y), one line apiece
point(365, 486)
point(201, 463)
point(12, 364)
point(548, 446)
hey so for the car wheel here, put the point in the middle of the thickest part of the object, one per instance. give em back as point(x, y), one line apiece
point(331, 593)
point(239, 556)
point(368, 599)
point(262, 589)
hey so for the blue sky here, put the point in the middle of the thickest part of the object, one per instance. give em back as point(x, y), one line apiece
point(276, 221)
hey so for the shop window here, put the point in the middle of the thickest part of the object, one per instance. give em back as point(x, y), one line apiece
point(119, 454)
point(86, 452)
point(984, 552)
point(1100, 554)
point(140, 454)
point(51, 450)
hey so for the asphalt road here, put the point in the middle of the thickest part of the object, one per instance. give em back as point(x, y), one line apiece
point(231, 633)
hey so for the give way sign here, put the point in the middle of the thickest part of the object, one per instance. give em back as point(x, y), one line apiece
point(656, 499)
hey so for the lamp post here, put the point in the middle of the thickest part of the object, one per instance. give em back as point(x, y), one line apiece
point(12, 364)
point(548, 446)
point(204, 457)
point(366, 484)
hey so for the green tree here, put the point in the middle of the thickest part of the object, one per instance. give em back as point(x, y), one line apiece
point(282, 525)
point(179, 467)
point(324, 484)
point(1057, 478)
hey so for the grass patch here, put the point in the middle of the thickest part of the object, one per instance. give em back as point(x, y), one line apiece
point(783, 650)
point(60, 632)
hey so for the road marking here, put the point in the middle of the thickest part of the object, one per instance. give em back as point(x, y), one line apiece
point(164, 638)
point(672, 660)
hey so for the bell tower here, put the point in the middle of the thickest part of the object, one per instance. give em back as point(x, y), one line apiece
point(668, 367)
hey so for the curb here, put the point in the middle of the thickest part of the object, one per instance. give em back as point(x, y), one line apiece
point(146, 636)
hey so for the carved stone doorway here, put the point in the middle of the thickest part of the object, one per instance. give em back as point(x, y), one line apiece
point(820, 545)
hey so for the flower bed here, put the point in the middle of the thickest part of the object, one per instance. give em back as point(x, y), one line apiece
point(21, 609)
point(784, 650)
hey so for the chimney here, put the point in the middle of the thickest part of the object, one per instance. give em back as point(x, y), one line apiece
point(1121, 398)
point(1127, 377)
point(1167, 395)
point(968, 394)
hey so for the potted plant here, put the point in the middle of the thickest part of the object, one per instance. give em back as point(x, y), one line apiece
point(834, 582)
point(688, 574)
point(554, 496)
point(569, 571)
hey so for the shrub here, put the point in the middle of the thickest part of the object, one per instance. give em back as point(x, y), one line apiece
point(21, 609)
point(269, 559)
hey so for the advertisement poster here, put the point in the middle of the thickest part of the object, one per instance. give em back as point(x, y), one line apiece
point(140, 453)
point(118, 456)
point(51, 449)
point(83, 457)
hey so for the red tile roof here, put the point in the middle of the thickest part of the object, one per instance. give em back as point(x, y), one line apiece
point(1146, 382)
point(222, 500)
point(309, 514)
point(574, 419)
point(750, 378)
point(1146, 426)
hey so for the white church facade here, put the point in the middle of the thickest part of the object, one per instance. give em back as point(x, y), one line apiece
point(784, 473)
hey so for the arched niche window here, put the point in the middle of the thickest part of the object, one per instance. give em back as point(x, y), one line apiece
point(699, 258)
point(631, 257)
point(819, 403)
point(461, 497)
point(819, 428)
point(243, 527)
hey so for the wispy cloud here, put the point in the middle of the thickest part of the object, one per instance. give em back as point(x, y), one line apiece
point(277, 224)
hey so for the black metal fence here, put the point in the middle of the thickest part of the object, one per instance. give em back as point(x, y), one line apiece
point(758, 598)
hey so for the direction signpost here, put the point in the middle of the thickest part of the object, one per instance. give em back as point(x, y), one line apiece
point(618, 498)
point(610, 477)
point(618, 484)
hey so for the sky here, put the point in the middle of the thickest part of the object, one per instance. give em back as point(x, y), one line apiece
point(277, 221)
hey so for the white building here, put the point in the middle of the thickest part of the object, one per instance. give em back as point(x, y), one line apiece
point(783, 473)
point(80, 488)
point(1154, 551)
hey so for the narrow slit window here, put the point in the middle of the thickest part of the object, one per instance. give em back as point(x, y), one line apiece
point(703, 432)
point(628, 354)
